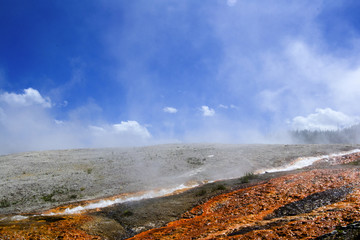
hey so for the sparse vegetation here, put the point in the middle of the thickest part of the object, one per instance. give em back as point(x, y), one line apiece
point(200, 193)
point(355, 163)
point(89, 170)
point(48, 197)
point(57, 192)
point(219, 187)
point(248, 176)
point(4, 203)
point(73, 196)
point(195, 161)
point(127, 213)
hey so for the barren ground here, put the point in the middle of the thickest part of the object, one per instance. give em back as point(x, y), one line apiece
point(33, 182)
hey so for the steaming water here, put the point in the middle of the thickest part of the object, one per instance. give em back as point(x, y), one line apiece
point(118, 172)
point(296, 164)
point(126, 198)
point(306, 161)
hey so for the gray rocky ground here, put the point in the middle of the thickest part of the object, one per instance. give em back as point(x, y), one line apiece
point(40, 180)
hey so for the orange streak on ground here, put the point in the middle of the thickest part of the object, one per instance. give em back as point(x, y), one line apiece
point(226, 213)
point(69, 227)
point(61, 209)
point(66, 227)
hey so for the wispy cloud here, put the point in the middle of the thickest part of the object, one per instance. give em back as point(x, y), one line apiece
point(170, 110)
point(231, 3)
point(287, 68)
point(305, 78)
point(232, 106)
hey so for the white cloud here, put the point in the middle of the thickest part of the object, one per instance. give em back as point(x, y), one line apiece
point(29, 97)
point(170, 110)
point(207, 112)
point(231, 3)
point(31, 128)
point(132, 128)
point(126, 133)
point(324, 119)
point(223, 106)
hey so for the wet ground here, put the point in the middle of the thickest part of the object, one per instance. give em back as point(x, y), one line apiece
point(38, 180)
point(268, 205)
point(322, 201)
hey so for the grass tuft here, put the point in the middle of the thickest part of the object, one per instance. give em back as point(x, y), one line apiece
point(200, 193)
point(127, 213)
point(248, 176)
point(4, 203)
point(48, 197)
point(219, 187)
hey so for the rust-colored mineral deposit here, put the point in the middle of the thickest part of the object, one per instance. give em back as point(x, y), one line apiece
point(249, 213)
point(302, 205)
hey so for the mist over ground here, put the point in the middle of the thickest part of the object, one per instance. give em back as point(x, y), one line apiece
point(34, 180)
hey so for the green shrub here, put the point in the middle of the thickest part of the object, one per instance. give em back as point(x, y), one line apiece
point(195, 161)
point(48, 197)
point(74, 196)
point(200, 193)
point(248, 176)
point(127, 213)
point(4, 203)
point(355, 163)
point(219, 187)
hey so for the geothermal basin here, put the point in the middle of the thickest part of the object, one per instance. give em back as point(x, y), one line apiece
point(35, 181)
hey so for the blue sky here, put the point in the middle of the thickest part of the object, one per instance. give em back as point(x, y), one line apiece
point(121, 73)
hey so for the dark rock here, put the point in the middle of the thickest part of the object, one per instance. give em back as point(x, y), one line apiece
point(311, 202)
point(349, 232)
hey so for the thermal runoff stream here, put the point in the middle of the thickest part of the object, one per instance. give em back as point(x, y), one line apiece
point(296, 164)
point(200, 172)
point(91, 193)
